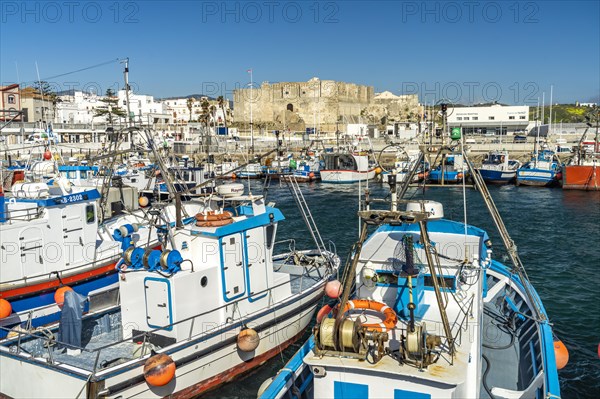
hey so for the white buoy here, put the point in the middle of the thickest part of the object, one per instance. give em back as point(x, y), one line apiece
point(248, 340)
point(434, 208)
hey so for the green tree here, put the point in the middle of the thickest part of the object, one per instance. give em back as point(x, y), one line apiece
point(47, 92)
point(110, 109)
point(110, 93)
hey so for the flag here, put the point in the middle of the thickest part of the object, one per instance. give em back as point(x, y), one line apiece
point(249, 71)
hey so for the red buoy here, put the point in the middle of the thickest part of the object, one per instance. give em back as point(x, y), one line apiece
point(59, 295)
point(5, 308)
point(47, 155)
point(159, 370)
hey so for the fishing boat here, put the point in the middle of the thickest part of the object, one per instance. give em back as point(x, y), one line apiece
point(427, 312)
point(451, 170)
point(53, 236)
point(404, 162)
point(498, 168)
point(307, 169)
point(213, 303)
point(582, 172)
point(346, 167)
point(252, 171)
point(542, 170)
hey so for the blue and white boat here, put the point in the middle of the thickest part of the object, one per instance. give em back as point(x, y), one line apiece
point(346, 167)
point(426, 312)
point(498, 168)
point(252, 171)
point(53, 236)
point(542, 170)
point(451, 170)
point(213, 303)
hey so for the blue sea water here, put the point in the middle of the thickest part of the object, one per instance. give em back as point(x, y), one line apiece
point(558, 238)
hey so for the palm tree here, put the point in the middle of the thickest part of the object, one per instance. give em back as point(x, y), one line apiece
point(190, 104)
point(221, 102)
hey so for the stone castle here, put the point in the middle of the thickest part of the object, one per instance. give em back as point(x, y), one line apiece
point(328, 104)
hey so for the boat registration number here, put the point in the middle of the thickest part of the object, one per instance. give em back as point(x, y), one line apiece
point(72, 198)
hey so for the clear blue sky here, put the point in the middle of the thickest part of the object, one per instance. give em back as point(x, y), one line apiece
point(468, 51)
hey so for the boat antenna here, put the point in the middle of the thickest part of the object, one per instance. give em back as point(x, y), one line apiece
point(126, 77)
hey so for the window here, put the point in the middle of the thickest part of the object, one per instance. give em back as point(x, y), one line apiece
point(90, 214)
point(459, 118)
point(522, 117)
point(11, 99)
point(475, 118)
point(511, 117)
point(491, 118)
point(466, 118)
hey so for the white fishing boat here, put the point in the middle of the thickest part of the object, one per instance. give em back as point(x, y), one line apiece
point(346, 168)
point(426, 312)
point(498, 168)
point(214, 303)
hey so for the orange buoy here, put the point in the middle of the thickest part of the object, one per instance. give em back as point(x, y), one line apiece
point(233, 176)
point(561, 353)
point(159, 370)
point(333, 289)
point(378, 170)
point(390, 321)
point(59, 295)
point(311, 174)
point(47, 155)
point(143, 201)
point(5, 308)
point(248, 340)
point(323, 312)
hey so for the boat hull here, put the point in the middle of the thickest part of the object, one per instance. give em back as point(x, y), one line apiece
point(203, 363)
point(581, 177)
point(536, 177)
point(346, 176)
point(435, 176)
point(498, 176)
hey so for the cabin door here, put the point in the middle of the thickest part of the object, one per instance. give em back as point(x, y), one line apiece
point(158, 302)
point(256, 264)
point(32, 251)
point(233, 267)
point(72, 223)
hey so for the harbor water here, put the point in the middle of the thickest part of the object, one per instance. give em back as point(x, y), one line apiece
point(557, 233)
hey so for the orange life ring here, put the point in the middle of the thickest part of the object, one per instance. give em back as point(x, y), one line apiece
point(390, 321)
point(214, 223)
point(213, 216)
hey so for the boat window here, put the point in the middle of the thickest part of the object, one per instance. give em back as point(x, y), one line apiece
point(270, 235)
point(446, 283)
point(90, 214)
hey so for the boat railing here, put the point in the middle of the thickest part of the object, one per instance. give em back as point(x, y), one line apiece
point(14, 345)
point(24, 215)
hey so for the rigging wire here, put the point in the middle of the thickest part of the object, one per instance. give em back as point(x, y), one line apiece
point(76, 71)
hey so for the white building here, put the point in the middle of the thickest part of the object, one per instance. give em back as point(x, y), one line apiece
point(145, 109)
point(490, 120)
point(180, 111)
point(79, 108)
